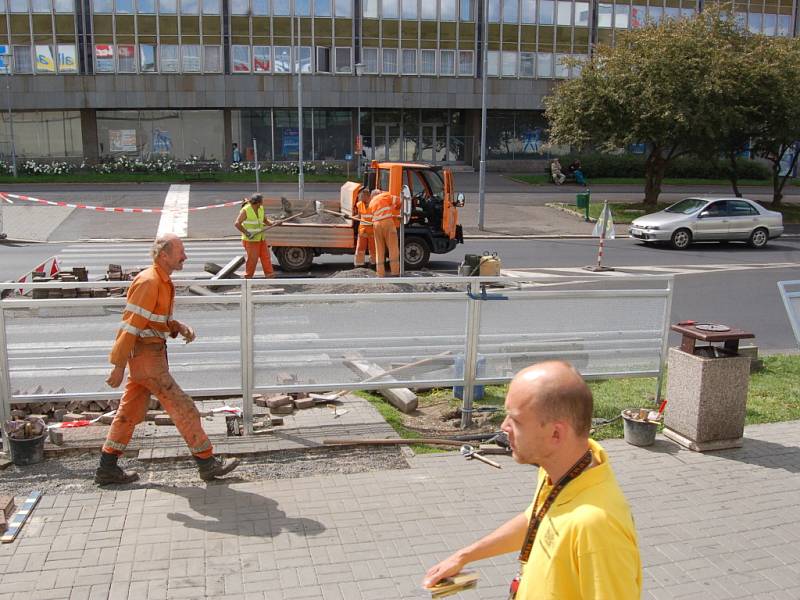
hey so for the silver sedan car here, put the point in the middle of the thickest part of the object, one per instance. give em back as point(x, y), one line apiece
point(709, 219)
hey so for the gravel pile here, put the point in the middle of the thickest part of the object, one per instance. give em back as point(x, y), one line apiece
point(74, 474)
point(429, 282)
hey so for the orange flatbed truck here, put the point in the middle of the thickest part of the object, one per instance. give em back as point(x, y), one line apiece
point(432, 217)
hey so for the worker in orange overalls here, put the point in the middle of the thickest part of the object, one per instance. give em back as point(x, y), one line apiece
point(366, 236)
point(383, 209)
point(141, 344)
point(251, 222)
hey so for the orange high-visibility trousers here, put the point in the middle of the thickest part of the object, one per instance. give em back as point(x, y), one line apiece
point(149, 374)
point(364, 243)
point(386, 239)
point(257, 251)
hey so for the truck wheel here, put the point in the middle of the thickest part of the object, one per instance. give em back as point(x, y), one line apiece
point(417, 252)
point(294, 259)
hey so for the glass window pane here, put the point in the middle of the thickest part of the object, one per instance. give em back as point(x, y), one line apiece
point(389, 61)
point(304, 58)
point(528, 11)
point(190, 58)
point(323, 59)
point(21, 6)
point(754, 22)
point(302, 8)
point(168, 7)
point(409, 62)
point(494, 11)
point(322, 8)
point(369, 9)
point(103, 58)
point(391, 9)
point(672, 12)
point(147, 7)
point(581, 14)
point(343, 60)
point(621, 16)
point(64, 6)
point(409, 9)
point(147, 58)
point(240, 59)
point(369, 56)
point(527, 63)
point(564, 13)
point(282, 7)
point(562, 70)
point(509, 64)
point(240, 7)
point(428, 62)
point(465, 63)
point(546, 9)
point(211, 7)
point(344, 8)
point(23, 61)
point(448, 10)
point(262, 59)
point(783, 24)
point(466, 11)
point(189, 7)
point(67, 58)
point(99, 6)
point(447, 62)
point(125, 7)
point(428, 12)
point(40, 6)
point(493, 63)
point(261, 7)
point(510, 10)
point(544, 64)
point(638, 16)
point(168, 58)
point(604, 13)
point(654, 13)
point(282, 61)
point(126, 58)
point(212, 59)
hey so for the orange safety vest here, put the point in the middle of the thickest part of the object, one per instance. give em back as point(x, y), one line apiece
point(365, 216)
point(148, 314)
point(382, 207)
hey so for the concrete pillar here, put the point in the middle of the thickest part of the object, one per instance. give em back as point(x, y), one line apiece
point(89, 140)
point(227, 137)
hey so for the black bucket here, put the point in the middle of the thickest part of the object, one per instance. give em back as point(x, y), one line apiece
point(27, 451)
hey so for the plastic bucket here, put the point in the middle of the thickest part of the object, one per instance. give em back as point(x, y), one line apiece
point(639, 433)
point(477, 390)
point(28, 451)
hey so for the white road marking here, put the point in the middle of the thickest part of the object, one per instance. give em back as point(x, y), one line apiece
point(175, 218)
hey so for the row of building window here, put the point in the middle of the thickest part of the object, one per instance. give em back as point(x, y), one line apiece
point(37, 6)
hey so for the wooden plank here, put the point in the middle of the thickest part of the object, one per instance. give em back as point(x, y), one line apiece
point(20, 517)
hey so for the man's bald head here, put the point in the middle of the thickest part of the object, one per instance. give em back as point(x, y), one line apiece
point(557, 392)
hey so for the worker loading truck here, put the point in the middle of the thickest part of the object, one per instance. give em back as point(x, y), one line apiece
point(431, 214)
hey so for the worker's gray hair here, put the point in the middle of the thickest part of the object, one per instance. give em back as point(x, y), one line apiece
point(256, 198)
point(161, 244)
point(375, 192)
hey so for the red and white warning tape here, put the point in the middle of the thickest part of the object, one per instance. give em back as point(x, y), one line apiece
point(49, 267)
point(107, 209)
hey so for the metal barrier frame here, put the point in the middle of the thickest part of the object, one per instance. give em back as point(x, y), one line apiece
point(248, 298)
point(787, 295)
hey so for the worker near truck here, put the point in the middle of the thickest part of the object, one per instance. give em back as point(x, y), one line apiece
point(141, 345)
point(251, 222)
point(576, 540)
point(366, 235)
point(384, 212)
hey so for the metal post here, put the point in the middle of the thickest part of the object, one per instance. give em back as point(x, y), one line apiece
point(300, 177)
point(247, 357)
point(358, 145)
point(7, 61)
point(257, 165)
point(470, 352)
point(665, 340)
point(5, 380)
point(402, 235)
point(482, 171)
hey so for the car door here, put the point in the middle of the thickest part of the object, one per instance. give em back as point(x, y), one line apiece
point(742, 219)
point(712, 222)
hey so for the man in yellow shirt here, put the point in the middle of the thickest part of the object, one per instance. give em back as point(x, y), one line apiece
point(576, 540)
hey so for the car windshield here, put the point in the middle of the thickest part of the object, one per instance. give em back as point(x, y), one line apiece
point(687, 206)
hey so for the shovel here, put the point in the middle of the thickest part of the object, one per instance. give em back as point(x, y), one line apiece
point(337, 395)
point(320, 208)
point(287, 207)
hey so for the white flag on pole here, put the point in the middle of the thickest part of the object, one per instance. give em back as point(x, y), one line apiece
point(605, 217)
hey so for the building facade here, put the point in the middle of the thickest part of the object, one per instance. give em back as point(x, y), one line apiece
point(189, 78)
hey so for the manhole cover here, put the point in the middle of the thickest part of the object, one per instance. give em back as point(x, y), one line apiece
point(711, 327)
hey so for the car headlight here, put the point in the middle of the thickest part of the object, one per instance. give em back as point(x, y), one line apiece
point(655, 227)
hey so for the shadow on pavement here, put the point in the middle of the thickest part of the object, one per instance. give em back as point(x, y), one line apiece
point(764, 454)
point(237, 512)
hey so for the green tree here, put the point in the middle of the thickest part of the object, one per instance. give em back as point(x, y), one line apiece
point(667, 85)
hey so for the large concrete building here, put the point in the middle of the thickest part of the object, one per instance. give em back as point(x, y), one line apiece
point(98, 78)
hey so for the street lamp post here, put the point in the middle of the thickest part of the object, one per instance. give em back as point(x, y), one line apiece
point(482, 171)
point(300, 178)
point(6, 55)
point(359, 68)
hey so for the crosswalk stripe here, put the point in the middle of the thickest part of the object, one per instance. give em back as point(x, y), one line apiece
point(175, 218)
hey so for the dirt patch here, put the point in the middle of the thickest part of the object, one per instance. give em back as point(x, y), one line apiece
point(429, 282)
point(442, 418)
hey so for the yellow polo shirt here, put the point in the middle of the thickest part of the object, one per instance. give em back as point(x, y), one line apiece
point(586, 546)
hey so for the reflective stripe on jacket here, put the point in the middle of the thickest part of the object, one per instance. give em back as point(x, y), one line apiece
point(147, 315)
point(253, 221)
point(382, 207)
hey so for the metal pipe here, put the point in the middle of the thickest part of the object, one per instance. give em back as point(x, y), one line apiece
point(482, 171)
point(247, 356)
point(257, 165)
point(5, 379)
point(300, 177)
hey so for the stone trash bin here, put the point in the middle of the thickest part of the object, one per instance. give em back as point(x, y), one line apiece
point(707, 388)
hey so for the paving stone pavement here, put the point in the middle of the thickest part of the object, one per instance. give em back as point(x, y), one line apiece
point(711, 526)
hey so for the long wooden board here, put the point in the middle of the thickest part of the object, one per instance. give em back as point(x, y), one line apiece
point(19, 518)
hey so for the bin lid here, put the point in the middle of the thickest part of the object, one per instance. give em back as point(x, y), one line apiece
point(712, 332)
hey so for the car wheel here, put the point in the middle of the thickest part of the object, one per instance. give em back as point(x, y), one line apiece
point(759, 238)
point(293, 258)
point(416, 253)
point(681, 239)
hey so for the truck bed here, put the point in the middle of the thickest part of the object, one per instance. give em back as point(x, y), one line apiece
point(313, 235)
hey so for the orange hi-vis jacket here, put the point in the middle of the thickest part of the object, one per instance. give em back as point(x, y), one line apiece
point(382, 207)
point(365, 216)
point(148, 314)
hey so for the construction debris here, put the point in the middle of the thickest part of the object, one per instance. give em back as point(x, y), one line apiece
point(390, 442)
point(401, 398)
point(7, 507)
point(18, 520)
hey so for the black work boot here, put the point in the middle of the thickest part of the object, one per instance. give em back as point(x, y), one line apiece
point(110, 472)
point(215, 467)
